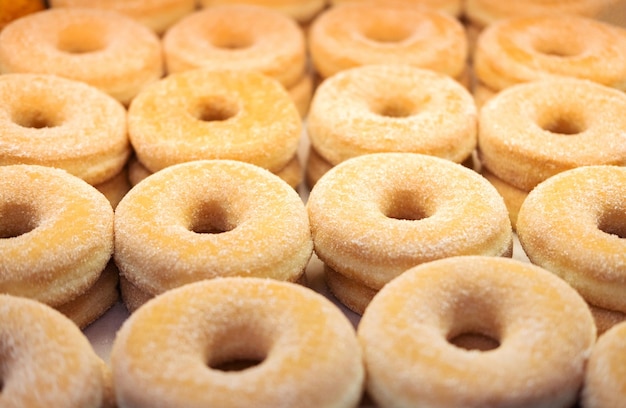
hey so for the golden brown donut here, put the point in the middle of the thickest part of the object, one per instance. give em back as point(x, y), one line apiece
point(237, 37)
point(13, 9)
point(102, 48)
point(116, 187)
point(535, 130)
point(211, 218)
point(204, 114)
point(300, 349)
point(158, 15)
point(605, 318)
point(573, 225)
point(452, 7)
point(52, 121)
point(355, 34)
point(351, 293)
point(513, 197)
point(303, 11)
point(524, 49)
point(56, 234)
point(46, 360)
point(543, 335)
point(392, 108)
point(374, 216)
point(605, 376)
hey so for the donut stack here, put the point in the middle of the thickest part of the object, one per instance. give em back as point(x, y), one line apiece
point(242, 37)
point(389, 108)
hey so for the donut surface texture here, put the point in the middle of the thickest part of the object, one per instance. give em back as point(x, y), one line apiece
point(204, 114)
point(532, 131)
point(543, 333)
point(303, 11)
point(573, 224)
point(56, 122)
point(303, 349)
point(452, 7)
point(392, 108)
point(207, 219)
point(56, 233)
point(46, 360)
point(355, 34)
point(102, 48)
point(374, 216)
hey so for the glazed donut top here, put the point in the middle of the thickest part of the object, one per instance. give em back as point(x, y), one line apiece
point(237, 37)
point(356, 34)
point(392, 108)
point(528, 48)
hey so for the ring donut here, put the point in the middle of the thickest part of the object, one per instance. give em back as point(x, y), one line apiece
point(573, 225)
point(56, 234)
point(206, 219)
point(541, 328)
point(304, 351)
point(102, 48)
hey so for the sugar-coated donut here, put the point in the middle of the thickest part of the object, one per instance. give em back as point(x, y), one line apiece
point(207, 219)
point(351, 293)
point(158, 15)
point(524, 49)
point(56, 233)
point(532, 131)
point(355, 34)
point(374, 216)
point(605, 376)
point(303, 11)
point(102, 48)
point(116, 187)
point(541, 328)
point(204, 114)
point(13, 9)
point(573, 225)
point(392, 108)
point(237, 37)
point(513, 197)
point(46, 360)
point(57, 122)
point(452, 7)
point(302, 349)
point(316, 166)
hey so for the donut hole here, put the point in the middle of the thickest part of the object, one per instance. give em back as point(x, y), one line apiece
point(614, 223)
point(395, 107)
point(558, 46)
point(387, 32)
point(563, 122)
point(81, 39)
point(214, 109)
point(230, 39)
point(211, 217)
point(474, 341)
point(405, 205)
point(17, 219)
point(238, 348)
point(36, 119)
point(474, 324)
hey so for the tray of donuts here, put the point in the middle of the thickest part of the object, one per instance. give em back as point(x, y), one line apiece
point(312, 203)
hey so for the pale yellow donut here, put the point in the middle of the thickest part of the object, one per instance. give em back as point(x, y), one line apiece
point(102, 48)
point(513, 197)
point(374, 216)
point(237, 37)
point(56, 234)
point(542, 329)
point(116, 187)
point(303, 11)
point(158, 15)
point(204, 114)
point(355, 34)
point(605, 376)
point(535, 130)
point(452, 7)
point(57, 122)
point(206, 219)
point(46, 360)
point(392, 108)
point(303, 349)
point(573, 225)
point(524, 49)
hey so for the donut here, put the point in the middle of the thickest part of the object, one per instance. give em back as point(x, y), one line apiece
point(573, 225)
point(56, 234)
point(116, 187)
point(374, 216)
point(302, 11)
point(513, 197)
point(304, 351)
point(524, 49)
point(541, 329)
point(102, 48)
point(452, 7)
point(46, 360)
point(532, 131)
point(316, 166)
point(301, 93)
point(605, 376)
point(237, 37)
point(210, 218)
point(355, 34)
point(605, 318)
point(51, 121)
point(392, 108)
point(203, 114)
point(157, 15)
point(351, 293)
point(13, 9)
